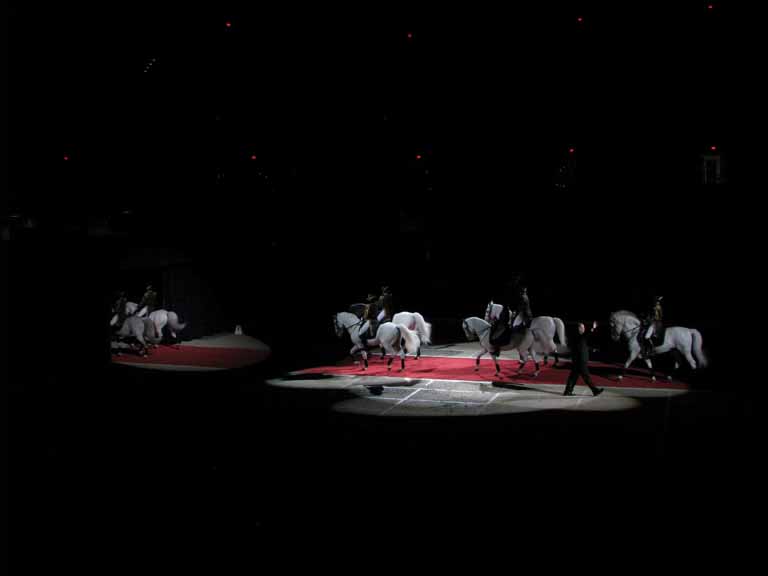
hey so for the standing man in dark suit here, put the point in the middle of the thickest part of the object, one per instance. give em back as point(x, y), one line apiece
point(580, 359)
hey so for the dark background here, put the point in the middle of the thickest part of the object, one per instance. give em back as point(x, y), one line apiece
point(159, 183)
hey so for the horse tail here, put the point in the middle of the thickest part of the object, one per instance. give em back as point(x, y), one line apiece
point(423, 328)
point(560, 327)
point(409, 339)
point(701, 360)
point(173, 322)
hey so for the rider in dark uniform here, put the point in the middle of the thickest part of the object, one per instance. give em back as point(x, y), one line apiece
point(371, 316)
point(386, 308)
point(523, 310)
point(149, 300)
point(119, 309)
point(501, 327)
point(652, 326)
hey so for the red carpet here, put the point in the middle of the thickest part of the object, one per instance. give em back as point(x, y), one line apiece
point(199, 356)
point(463, 369)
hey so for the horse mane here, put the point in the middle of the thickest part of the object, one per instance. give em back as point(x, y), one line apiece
point(344, 314)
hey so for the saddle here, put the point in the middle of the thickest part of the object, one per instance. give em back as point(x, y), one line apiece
point(502, 334)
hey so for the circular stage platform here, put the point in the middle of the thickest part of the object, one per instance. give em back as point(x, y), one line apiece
point(444, 383)
point(217, 352)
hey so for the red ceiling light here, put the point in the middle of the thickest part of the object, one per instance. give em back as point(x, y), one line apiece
point(410, 35)
point(228, 24)
point(713, 148)
point(710, 6)
point(579, 19)
point(571, 150)
point(418, 156)
point(66, 157)
point(253, 156)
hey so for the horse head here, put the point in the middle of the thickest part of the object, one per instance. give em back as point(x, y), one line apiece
point(619, 323)
point(337, 326)
point(469, 333)
point(492, 311)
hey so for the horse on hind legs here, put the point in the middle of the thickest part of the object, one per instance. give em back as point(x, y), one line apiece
point(392, 338)
point(523, 341)
point(544, 329)
point(685, 341)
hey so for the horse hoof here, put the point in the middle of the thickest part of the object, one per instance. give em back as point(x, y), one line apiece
point(669, 378)
point(653, 378)
point(621, 377)
point(535, 374)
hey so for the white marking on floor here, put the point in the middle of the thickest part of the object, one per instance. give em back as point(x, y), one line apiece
point(403, 400)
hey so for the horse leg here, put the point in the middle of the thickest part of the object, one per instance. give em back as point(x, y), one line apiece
point(389, 363)
point(532, 354)
point(418, 352)
point(354, 350)
point(522, 361)
point(495, 356)
point(365, 360)
point(633, 352)
point(402, 359)
point(689, 358)
point(650, 367)
point(142, 344)
point(477, 360)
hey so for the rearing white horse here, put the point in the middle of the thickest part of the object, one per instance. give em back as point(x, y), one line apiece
point(686, 341)
point(544, 329)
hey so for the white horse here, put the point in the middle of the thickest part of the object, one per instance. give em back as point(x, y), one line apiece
point(523, 341)
point(686, 341)
point(544, 329)
point(142, 329)
point(415, 321)
point(392, 340)
point(162, 318)
point(397, 339)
